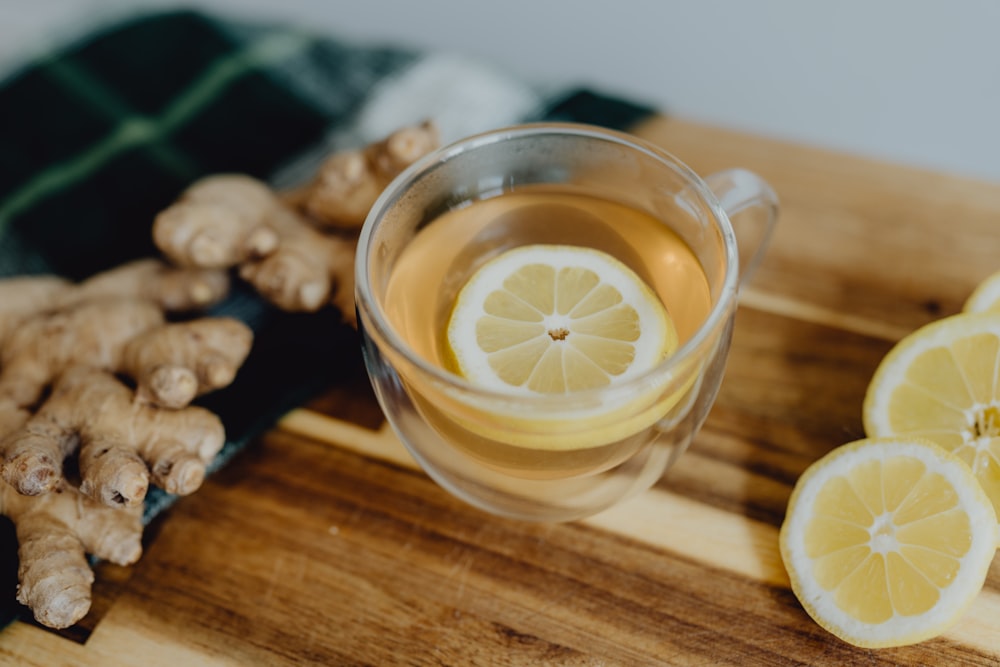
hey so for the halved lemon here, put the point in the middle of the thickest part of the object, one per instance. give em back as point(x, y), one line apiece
point(887, 541)
point(985, 297)
point(553, 319)
point(942, 382)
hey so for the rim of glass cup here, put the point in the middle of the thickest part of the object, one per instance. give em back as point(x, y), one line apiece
point(376, 317)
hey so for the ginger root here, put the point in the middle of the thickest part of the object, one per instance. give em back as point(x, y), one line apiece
point(49, 328)
point(174, 363)
point(93, 332)
point(348, 182)
point(62, 344)
point(308, 270)
point(115, 334)
point(24, 296)
point(231, 220)
point(303, 271)
point(174, 289)
point(24, 299)
point(218, 222)
point(54, 534)
point(122, 444)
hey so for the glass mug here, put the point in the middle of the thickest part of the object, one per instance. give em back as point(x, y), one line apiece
point(551, 457)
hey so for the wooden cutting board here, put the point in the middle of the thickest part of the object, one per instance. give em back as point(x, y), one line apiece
point(324, 544)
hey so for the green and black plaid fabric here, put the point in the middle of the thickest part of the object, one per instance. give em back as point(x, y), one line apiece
point(98, 136)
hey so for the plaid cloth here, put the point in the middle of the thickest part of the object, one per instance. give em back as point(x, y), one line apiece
point(100, 135)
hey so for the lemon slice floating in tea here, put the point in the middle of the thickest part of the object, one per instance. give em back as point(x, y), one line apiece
point(553, 319)
point(986, 296)
point(942, 382)
point(887, 541)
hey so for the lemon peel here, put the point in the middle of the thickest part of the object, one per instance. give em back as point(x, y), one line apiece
point(985, 297)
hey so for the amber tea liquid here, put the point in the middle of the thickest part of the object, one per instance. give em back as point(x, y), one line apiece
point(442, 256)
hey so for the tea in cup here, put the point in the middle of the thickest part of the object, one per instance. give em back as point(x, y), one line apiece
point(546, 312)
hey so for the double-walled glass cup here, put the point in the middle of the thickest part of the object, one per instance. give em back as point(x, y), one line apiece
point(551, 457)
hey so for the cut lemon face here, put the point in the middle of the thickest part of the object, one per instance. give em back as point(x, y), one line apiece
point(985, 297)
point(887, 541)
point(942, 382)
point(553, 319)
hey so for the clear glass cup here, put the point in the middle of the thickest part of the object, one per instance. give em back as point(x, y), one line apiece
point(508, 454)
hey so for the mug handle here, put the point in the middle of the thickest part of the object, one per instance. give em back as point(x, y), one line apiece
point(752, 207)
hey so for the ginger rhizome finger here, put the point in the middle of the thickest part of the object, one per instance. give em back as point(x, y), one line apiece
point(29, 294)
point(93, 332)
point(307, 271)
point(174, 363)
point(348, 182)
point(54, 533)
point(218, 222)
point(122, 443)
point(173, 288)
point(24, 296)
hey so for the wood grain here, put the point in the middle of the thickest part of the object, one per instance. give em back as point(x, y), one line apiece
point(324, 544)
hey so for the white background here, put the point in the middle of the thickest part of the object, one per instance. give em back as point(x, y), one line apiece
point(912, 81)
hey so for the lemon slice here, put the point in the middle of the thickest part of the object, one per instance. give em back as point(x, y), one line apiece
point(942, 382)
point(553, 319)
point(887, 541)
point(985, 297)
